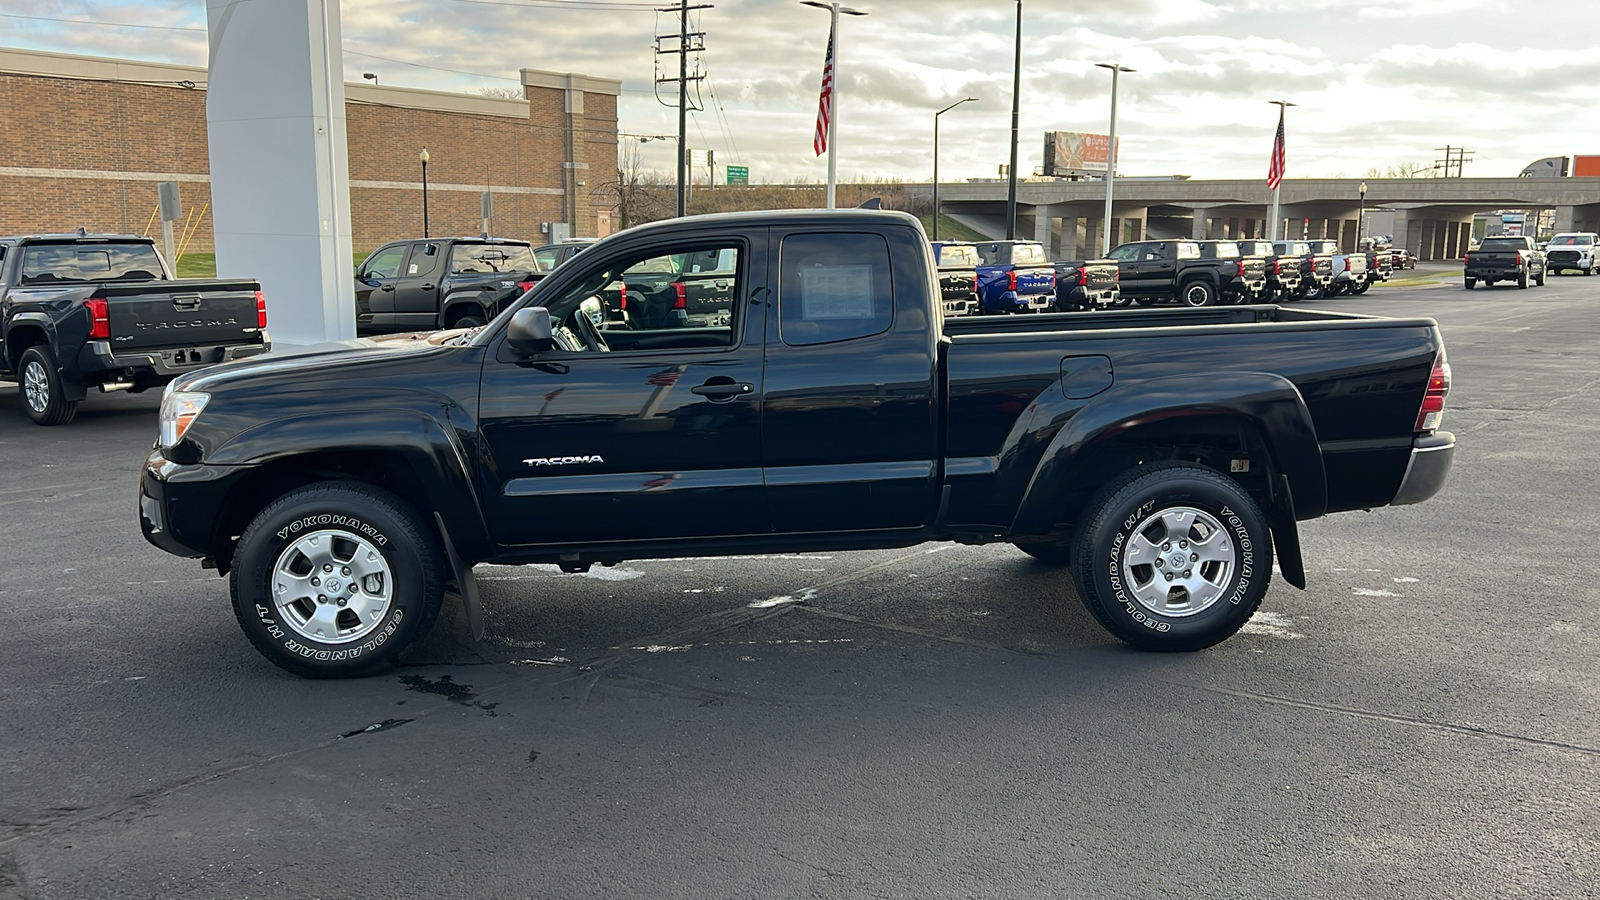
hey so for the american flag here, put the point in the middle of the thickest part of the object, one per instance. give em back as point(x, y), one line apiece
point(1275, 169)
point(825, 102)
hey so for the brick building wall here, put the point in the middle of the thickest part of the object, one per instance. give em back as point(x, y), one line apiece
point(85, 141)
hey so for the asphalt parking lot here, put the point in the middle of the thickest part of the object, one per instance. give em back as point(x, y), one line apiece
point(943, 721)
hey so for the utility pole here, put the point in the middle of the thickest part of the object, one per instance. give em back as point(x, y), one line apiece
point(683, 49)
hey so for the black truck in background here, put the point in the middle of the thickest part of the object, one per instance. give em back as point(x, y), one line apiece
point(1515, 259)
point(1316, 268)
point(81, 311)
point(1172, 271)
point(1248, 282)
point(1283, 272)
point(433, 283)
point(1163, 457)
point(1088, 284)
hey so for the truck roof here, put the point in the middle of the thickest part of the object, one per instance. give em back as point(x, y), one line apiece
point(76, 236)
point(820, 218)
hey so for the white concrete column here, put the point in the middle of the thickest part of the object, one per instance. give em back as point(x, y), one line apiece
point(1070, 226)
point(1041, 227)
point(1198, 230)
point(280, 176)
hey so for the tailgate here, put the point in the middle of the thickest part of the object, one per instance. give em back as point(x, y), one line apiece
point(1036, 280)
point(1102, 276)
point(957, 284)
point(1255, 269)
point(181, 314)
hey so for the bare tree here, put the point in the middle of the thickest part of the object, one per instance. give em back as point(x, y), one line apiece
point(1403, 170)
point(637, 195)
point(503, 93)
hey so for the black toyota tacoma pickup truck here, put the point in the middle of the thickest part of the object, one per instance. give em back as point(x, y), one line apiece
point(1316, 268)
point(1515, 259)
point(1164, 456)
point(957, 263)
point(1161, 271)
point(1088, 284)
point(428, 284)
point(1283, 272)
point(81, 311)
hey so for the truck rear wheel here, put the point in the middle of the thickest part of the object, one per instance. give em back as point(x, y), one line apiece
point(1172, 557)
point(336, 579)
point(44, 396)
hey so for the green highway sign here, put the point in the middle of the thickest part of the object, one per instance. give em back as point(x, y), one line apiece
point(738, 174)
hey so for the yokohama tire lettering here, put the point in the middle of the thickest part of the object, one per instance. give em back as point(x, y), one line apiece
point(356, 525)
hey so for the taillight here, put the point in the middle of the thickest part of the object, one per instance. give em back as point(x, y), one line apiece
point(525, 286)
point(99, 318)
point(1011, 280)
point(261, 310)
point(681, 300)
point(1433, 401)
point(1241, 268)
point(1277, 267)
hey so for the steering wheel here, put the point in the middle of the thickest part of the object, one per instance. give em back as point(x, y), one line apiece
point(592, 339)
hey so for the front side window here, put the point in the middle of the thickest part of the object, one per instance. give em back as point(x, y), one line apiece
point(834, 287)
point(1125, 253)
point(385, 263)
point(681, 298)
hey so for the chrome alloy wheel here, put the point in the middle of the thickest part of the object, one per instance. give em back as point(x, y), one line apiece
point(332, 587)
point(1179, 561)
point(36, 386)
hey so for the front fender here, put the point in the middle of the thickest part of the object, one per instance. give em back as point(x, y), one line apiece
point(1270, 403)
point(429, 444)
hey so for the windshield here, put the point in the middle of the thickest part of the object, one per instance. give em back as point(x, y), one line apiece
point(1572, 240)
point(958, 255)
point(468, 258)
point(130, 261)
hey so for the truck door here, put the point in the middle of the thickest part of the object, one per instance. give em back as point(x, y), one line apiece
point(416, 291)
point(1128, 269)
point(375, 285)
point(624, 432)
point(851, 424)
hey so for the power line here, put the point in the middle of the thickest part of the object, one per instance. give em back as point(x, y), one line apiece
point(106, 24)
point(605, 5)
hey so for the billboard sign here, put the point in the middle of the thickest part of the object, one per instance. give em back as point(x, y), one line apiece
point(1074, 153)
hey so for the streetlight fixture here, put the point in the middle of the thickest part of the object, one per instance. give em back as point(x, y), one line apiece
point(1011, 170)
point(936, 160)
point(424, 157)
point(835, 9)
point(370, 76)
point(1111, 155)
point(1361, 212)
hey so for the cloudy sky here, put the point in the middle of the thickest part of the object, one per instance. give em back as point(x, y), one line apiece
point(1377, 83)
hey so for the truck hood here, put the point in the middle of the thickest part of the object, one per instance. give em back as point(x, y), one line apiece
point(320, 357)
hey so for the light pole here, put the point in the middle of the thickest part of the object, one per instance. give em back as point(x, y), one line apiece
point(424, 157)
point(1361, 212)
point(936, 160)
point(833, 81)
point(1111, 155)
point(369, 76)
point(1277, 187)
point(1011, 171)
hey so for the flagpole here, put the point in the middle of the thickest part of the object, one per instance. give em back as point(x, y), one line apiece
point(834, 9)
point(1277, 191)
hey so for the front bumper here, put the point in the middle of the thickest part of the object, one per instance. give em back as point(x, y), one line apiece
point(179, 504)
point(1428, 468)
point(1563, 259)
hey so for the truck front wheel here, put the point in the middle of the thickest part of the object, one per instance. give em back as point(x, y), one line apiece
point(44, 396)
point(1172, 557)
point(335, 579)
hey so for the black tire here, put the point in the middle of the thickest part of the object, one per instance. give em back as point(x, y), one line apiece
point(1123, 301)
point(1522, 280)
point(355, 519)
point(1543, 274)
point(1311, 291)
point(41, 390)
point(1361, 288)
point(1469, 283)
point(1234, 579)
point(1051, 553)
point(472, 321)
point(1196, 294)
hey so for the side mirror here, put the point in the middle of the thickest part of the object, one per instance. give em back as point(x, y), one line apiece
point(529, 331)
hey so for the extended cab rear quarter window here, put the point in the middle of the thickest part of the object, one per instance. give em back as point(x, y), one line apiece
point(835, 287)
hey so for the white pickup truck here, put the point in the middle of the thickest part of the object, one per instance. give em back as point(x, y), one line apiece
point(1573, 250)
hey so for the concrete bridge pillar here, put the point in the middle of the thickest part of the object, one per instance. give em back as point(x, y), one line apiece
point(1198, 232)
point(1069, 237)
point(1041, 227)
point(1566, 218)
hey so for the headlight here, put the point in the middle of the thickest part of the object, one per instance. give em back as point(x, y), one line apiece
point(178, 410)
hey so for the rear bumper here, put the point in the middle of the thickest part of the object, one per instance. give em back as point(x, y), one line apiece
point(100, 357)
point(1428, 468)
point(1080, 295)
point(1011, 301)
point(1497, 273)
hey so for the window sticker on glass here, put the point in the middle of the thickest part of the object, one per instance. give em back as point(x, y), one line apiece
point(836, 292)
point(411, 269)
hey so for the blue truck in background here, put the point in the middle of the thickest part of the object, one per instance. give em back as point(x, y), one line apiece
point(1015, 277)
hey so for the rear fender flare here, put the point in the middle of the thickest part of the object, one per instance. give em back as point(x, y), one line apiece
point(1271, 403)
point(479, 299)
point(430, 445)
point(31, 320)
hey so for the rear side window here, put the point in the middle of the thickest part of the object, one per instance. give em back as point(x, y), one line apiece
point(1188, 251)
point(835, 287)
point(425, 258)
